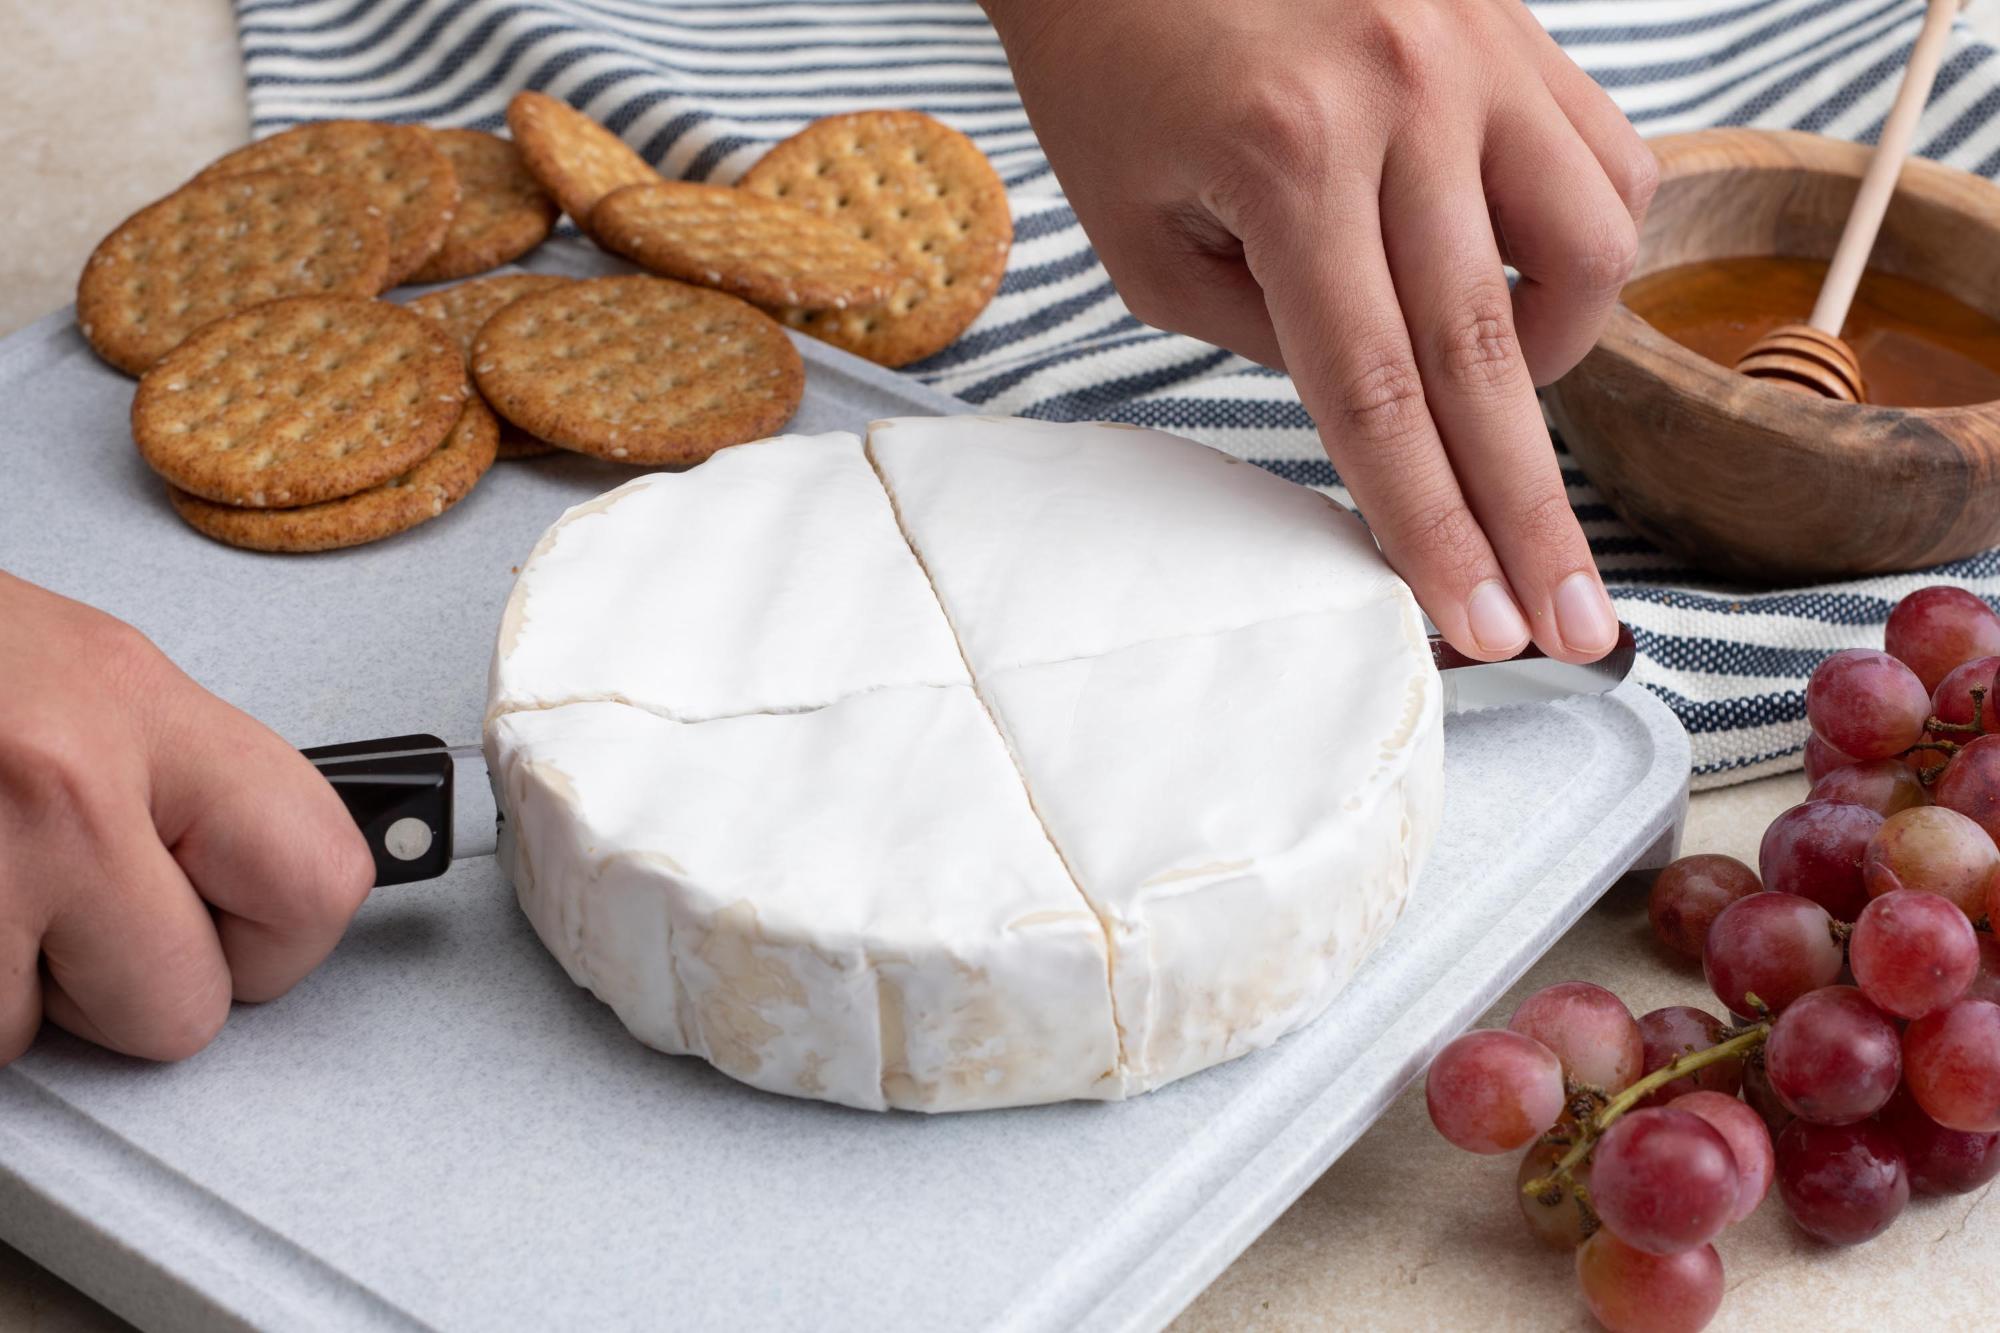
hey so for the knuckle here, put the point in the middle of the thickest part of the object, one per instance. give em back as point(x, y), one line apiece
point(1413, 44)
point(1273, 142)
point(1478, 345)
point(119, 648)
point(1148, 302)
point(184, 1027)
point(331, 886)
point(1384, 403)
point(183, 1036)
point(45, 768)
point(1603, 261)
point(350, 874)
point(1544, 520)
point(1635, 174)
point(1440, 532)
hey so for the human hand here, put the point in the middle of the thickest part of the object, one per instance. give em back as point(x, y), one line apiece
point(159, 850)
point(1330, 187)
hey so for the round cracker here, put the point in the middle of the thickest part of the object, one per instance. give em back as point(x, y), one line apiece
point(298, 401)
point(576, 159)
point(502, 213)
point(463, 310)
point(921, 191)
point(638, 369)
point(763, 250)
point(399, 168)
point(434, 485)
point(215, 247)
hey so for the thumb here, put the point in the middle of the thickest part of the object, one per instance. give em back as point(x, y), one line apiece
point(261, 836)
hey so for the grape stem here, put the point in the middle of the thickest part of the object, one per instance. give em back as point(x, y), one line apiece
point(1739, 1043)
point(1938, 727)
point(1972, 728)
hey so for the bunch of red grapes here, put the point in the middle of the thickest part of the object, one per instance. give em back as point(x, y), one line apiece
point(1861, 1058)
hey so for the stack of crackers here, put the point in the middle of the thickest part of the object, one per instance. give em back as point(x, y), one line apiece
point(289, 409)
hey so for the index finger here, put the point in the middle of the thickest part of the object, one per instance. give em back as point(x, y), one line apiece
point(1341, 328)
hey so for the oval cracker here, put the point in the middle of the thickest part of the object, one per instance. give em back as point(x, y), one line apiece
point(576, 159)
point(924, 193)
point(760, 249)
point(638, 369)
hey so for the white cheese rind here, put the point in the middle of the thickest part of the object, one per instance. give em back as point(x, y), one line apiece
point(757, 802)
point(1052, 540)
point(770, 578)
point(1245, 811)
point(854, 903)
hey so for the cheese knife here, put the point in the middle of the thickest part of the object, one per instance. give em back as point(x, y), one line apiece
point(423, 804)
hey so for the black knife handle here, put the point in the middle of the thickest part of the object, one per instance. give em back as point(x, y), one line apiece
point(399, 791)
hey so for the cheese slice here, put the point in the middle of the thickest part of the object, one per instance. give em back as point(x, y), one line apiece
point(854, 903)
point(1052, 540)
point(772, 577)
point(1244, 810)
point(997, 763)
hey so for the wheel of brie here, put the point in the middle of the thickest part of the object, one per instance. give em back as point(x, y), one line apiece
point(980, 763)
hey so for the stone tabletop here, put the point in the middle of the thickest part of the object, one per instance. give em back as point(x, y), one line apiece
point(108, 103)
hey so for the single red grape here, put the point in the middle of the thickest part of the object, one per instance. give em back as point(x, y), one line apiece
point(1971, 784)
point(1631, 1291)
point(1690, 893)
point(1941, 1161)
point(1814, 850)
point(1749, 1143)
point(1932, 850)
point(1913, 952)
point(1952, 700)
point(1679, 1030)
point(1833, 1057)
point(1776, 946)
point(1493, 1091)
point(1951, 1059)
point(1867, 704)
point(1664, 1180)
point(1883, 785)
point(1990, 899)
point(1843, 1183)
point(1554, 1219)
point(1590, 1030)
point(1986, 983)
point(1758, 1096)
point(1934, 629)
point(1822, 759)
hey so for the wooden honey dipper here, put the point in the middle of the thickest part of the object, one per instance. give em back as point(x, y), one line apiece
point(1810, 357)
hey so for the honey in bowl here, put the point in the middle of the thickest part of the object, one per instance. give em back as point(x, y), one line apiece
point(1918, 346)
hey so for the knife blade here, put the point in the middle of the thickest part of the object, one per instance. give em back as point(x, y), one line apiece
point(1529, 676)
point(422, 804)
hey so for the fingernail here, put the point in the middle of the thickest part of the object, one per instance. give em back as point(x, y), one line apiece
point(1583, 614)
point(1495, 621)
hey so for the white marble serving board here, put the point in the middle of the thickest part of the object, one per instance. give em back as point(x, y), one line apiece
point(438, 1130)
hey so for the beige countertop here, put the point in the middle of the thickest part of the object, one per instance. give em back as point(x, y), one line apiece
point(109, 103)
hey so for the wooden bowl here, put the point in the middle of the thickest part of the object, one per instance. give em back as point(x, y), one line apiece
point(1749, 480)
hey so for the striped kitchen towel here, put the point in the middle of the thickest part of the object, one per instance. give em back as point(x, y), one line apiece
point(702, 88)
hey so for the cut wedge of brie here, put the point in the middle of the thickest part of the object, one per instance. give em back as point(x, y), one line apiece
point(984, 763)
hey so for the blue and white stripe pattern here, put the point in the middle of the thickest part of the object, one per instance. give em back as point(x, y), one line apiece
point(702, 88)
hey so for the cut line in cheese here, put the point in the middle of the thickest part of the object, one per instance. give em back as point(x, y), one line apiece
point(990, 763)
